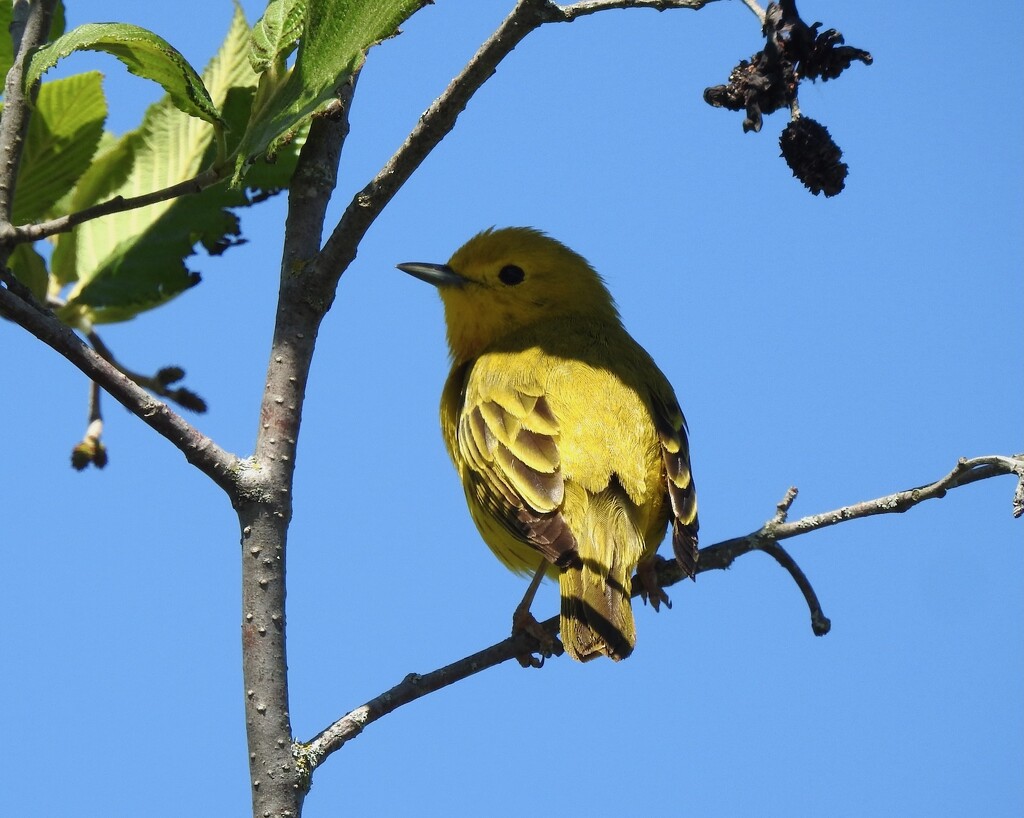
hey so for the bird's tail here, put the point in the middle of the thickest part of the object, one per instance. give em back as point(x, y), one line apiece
point(596, 616)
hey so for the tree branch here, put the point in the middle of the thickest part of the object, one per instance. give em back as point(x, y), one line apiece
point(265, 497)
point(30, 26)
point(199, 450)
point(965, 472)
point(714, 557)
point(440, 118)
point(723, 554)
point(571, 11)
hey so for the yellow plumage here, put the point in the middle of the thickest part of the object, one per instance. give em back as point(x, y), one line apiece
point(567, 437)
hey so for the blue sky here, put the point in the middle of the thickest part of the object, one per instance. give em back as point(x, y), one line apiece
point(851, 347)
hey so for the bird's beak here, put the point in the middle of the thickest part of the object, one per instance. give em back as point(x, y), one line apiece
point(440, 275)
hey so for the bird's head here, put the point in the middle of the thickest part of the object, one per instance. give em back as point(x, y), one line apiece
point(501, 281)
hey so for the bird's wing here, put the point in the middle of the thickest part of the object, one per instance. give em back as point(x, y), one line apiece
point(507, 437)
point(675, 450)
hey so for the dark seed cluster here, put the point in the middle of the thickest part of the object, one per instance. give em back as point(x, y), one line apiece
point(793, 51)
point(813, 157)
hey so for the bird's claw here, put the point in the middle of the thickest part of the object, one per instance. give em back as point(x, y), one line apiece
point(547, 645)
point(650, 587)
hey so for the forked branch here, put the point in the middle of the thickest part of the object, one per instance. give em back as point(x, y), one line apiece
point(714, 557)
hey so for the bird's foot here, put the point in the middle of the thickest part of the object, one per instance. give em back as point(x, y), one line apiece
point(546, 644)
point(650, 587)
point(524, 622)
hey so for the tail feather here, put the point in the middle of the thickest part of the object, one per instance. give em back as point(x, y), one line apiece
point(596, 615)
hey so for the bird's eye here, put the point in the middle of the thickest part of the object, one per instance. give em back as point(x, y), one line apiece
point(511, 274)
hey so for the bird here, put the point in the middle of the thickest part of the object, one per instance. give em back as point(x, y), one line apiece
point(569, 442)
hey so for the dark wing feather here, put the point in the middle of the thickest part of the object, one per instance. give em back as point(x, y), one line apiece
point(675, 450)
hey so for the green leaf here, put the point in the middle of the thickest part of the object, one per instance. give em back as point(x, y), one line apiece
point(109, 171)
point(143, 52)
point(63, 135)
point(58, 22)
point(264, 175)
point(276, 34)
point(129, 262)
point(337, 34)
point(30, 269)
point(137, 274)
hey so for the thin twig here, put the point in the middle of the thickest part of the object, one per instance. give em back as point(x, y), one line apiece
point(718, 556)
point(722, 555)
point(756, 8)
point(581, 9)
point(785, 504)
point(966, 471)
point(199, 450)
point(185, 398)
point(433, 126)
point(820, 623)
point(118, 204)
point(766, 542)
point(440, 118)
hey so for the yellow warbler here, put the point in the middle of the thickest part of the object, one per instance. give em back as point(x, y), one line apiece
point(568, 439)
